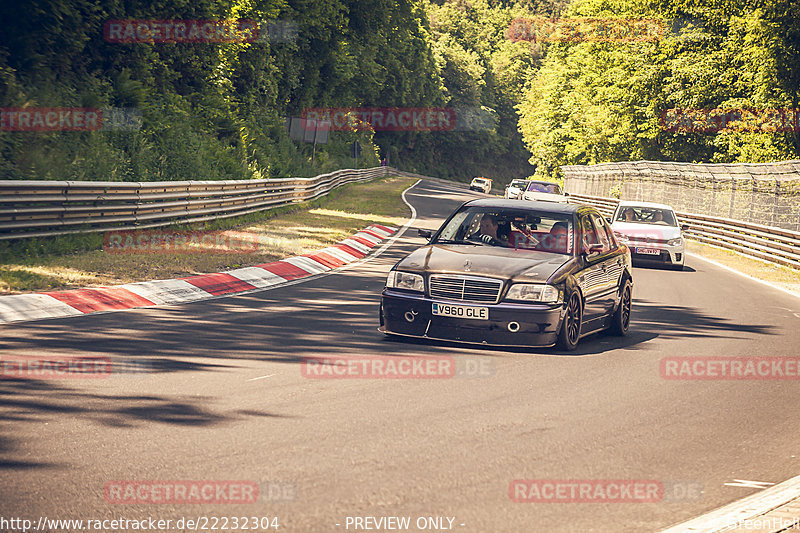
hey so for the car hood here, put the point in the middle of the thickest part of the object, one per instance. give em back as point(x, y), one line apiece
point(651, 231)
point(484, 261)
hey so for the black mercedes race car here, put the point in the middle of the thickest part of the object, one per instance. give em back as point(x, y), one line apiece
point(502, 272)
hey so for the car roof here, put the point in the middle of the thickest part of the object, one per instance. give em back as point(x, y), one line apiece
point(553, 207)
point(631, 203)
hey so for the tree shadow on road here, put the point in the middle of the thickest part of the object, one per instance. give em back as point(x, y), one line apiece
point(331, 316)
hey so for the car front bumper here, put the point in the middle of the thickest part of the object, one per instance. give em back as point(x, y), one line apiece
point(668, 255)
point(410, 314)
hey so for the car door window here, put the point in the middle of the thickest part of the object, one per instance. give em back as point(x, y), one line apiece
point(602, 235)
point(588, 234)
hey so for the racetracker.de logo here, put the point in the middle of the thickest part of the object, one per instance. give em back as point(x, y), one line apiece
point(585, 491)
point(730, 368)
point(750, 120)
point(379, 367)
point(50, 119)
point(49, 367)
point(573, 30)
point(383, 118)
point(180, 492)
point(180, 242)
point(198, 31)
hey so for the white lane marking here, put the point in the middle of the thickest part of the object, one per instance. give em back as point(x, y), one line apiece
point(745, 509)
point(749, 484)
point(748, 276)
point(261, 377)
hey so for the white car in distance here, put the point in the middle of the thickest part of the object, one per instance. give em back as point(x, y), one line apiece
point(481, 184)
point(544, 191)
point(652, 233)
point(515, 188)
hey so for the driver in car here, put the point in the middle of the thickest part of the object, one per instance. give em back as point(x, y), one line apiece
point(491, 232)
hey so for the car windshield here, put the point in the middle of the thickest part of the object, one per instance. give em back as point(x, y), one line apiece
point(510, 228)
point(517, 183)
point(646, 215)
point(539, 186)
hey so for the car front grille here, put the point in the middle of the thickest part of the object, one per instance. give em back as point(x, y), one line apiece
point(465, 288)
point(638, 239)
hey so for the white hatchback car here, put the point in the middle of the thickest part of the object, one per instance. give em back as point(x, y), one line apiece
point(515, 188)
point(481, 184)
point(544, 191)
point(652, 233)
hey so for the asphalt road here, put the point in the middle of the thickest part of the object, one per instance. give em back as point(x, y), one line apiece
point(225, 398)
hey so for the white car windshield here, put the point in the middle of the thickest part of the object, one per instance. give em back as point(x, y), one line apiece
point(538, 186)
point(646, 215)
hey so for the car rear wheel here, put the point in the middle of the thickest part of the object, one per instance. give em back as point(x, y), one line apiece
point(621, 320)
point(570, 332)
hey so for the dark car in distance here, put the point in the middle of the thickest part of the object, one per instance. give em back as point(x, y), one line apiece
point(506, 273)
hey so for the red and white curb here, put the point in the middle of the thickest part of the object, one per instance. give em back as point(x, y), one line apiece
point(22, 307)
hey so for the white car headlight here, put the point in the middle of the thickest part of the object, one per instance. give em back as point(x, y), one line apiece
point(405, 280)
point(621, 238)
point(530, 292)
point(675, 242)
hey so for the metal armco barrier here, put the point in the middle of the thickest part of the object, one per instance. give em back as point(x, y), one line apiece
point(47, 208)
point(776, 245)
point(758, 193)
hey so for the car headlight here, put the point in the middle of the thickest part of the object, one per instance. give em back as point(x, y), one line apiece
point(530, 292)
point(621, 238)
point(405, 280)
point(675, 242)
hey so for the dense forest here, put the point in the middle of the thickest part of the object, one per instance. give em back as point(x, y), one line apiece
point(218, 110)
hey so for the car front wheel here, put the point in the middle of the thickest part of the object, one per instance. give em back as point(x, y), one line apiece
point(570, 332)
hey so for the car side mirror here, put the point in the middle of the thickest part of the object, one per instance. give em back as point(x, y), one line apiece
point(594, 249)
point(608, 219)
point(684, 227)
point(566, 194)
point(425, 233)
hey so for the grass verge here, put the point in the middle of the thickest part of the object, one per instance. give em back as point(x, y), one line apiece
point(75, 261)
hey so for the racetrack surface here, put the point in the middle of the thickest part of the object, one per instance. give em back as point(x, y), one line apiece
point(227, 400)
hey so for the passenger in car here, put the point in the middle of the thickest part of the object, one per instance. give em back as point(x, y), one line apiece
point(555, 240)
point(628, 215)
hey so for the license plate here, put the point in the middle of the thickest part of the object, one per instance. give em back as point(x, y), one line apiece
point(461, 311)
point(648, 251)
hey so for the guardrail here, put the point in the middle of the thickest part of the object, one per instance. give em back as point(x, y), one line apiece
point(772, 244)
point(48, 208)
